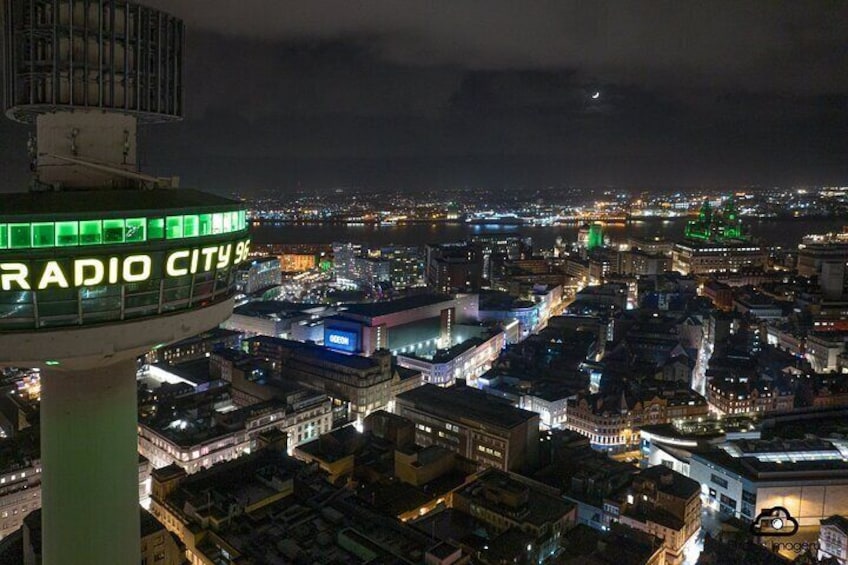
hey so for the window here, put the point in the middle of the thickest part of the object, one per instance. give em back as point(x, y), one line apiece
point(156, 228)
point(19, 236)
point(113, 231)
point(136, 230)
point(217, 223)
point(191, 226)
point(43, 235)
point(91, 232)
point(205, 224)
point(67, 234)
point(174, 227)
point(718, 480)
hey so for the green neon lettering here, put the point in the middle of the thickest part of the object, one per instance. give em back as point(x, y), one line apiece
point(95, 266)
point(18, 275)
point(52, 274)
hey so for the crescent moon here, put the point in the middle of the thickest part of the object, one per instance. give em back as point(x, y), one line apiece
point(596, 95)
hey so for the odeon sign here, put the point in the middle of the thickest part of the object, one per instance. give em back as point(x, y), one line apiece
point(119, 269)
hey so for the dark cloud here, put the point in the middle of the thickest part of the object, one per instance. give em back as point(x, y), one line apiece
point(758, 44)
point(420, 94)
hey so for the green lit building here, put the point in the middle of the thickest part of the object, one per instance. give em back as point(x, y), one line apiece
point(716, 242)
point(717, 225)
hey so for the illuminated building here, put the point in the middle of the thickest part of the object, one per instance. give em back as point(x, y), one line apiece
point(716, 226)
point(468, 360)
point(258, 275)
point(663, 503)
point(833, 540)
point(473, 424)
point(717, 242)
point(367, 383)
point(729, 396)
point(416, 324)
point(453, 267)
point(612, 422)
point(297, 262)
point(807, 477)
point(100, 262)
point(701, 258)
point(590, 236)
point(195, 347)
point(825, 258)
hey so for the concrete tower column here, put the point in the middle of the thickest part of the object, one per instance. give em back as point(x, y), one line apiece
point(89, 454)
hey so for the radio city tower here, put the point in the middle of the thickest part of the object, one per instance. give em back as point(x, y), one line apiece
point(100, 262)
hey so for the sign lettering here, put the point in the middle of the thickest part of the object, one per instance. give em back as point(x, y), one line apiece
point(95, 271)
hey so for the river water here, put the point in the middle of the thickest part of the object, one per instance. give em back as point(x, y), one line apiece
point(784, 233)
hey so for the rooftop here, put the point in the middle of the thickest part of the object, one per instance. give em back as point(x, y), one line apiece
point(318, 352)
point(460, 403)
point(376, 309)
point(521, 501)
point(60, 204)
point(671, 482)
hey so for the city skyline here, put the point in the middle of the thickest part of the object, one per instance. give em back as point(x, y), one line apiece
point(501, 95)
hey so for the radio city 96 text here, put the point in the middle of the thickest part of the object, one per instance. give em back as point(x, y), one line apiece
point(96, 271)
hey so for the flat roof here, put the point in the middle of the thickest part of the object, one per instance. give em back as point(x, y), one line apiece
point(375, 309)
point(109, 202)
point(318, 352)
point(460, 403)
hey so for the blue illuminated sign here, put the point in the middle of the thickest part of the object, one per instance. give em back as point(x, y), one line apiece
point(341, 340)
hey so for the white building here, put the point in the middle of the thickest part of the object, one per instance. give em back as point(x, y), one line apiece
point(833, 539)
point(237, 435)
point(467, 360)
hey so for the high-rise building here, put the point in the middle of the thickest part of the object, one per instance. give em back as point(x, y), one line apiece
point(99, 262)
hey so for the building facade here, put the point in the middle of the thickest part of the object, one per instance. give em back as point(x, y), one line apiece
point(473, 424)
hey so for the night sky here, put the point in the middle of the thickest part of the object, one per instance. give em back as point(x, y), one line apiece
point(416, 94)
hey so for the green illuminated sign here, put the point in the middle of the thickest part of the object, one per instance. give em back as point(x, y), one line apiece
point(132, 268)
point(116, 231)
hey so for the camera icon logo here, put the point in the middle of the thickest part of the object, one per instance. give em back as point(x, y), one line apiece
point(775, 521)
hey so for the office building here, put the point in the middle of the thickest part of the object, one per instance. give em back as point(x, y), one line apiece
point(704, 258)
point(473, 424)
point(195, 347)
point(220, 419)
point(100, 261)
point(453, 267)
point(259, 275)
point(344, 257)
